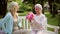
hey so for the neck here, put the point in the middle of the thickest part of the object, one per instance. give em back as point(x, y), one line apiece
point(38, 13)
point(13, 13)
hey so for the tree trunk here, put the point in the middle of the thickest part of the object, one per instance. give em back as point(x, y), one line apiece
point(54, 10)
point(50, 4)
point(33, 8)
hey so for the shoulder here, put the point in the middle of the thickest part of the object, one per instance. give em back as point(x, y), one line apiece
point(43, 16)
point(8, 14)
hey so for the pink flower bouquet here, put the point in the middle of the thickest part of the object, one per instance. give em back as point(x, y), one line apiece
point(30, 16)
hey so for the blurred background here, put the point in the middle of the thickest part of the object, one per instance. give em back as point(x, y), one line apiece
point(51, 8)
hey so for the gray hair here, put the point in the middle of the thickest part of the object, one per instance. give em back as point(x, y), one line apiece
point(11, 5)
point(39, 5)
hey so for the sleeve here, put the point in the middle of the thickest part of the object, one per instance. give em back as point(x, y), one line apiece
point(43, 22)
point(4, 21)
point(10, 25)
point(19, 22)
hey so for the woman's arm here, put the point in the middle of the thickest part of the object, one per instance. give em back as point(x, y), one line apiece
point(37, 24)
point(19, 23)
point(43, 21)
point(9, 23)
point(4, 21)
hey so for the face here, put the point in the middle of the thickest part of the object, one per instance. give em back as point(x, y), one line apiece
point(37, 10)
point(16, 7)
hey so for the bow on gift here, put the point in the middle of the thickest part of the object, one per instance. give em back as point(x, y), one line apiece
point(30, 16)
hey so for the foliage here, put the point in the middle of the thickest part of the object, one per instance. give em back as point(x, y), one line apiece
point(23, 6)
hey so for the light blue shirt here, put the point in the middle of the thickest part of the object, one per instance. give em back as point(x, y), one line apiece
point(8, 19)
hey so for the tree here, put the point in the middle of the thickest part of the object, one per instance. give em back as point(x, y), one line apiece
point(33, 2)
point(3, 7)
point(55, 11)
point(54, 6)
point(51, 5)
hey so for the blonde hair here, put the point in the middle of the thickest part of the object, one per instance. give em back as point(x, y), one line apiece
point(40, 6)
point(11, 5)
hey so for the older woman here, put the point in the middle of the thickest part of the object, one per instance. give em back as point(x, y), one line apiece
point(11, 19)
point(38, 23)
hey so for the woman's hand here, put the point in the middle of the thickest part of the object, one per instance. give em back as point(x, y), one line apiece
point(21, 28)
point(37, 24)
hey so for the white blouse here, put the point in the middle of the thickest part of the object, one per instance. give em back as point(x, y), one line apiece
point(39, 20)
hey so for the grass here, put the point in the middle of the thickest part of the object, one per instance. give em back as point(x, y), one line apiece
point(52, 21)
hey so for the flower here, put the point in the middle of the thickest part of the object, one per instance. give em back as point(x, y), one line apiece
point(30, 16)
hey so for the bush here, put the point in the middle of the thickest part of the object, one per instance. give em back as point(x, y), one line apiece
point(28, 9)
point(24, 7)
